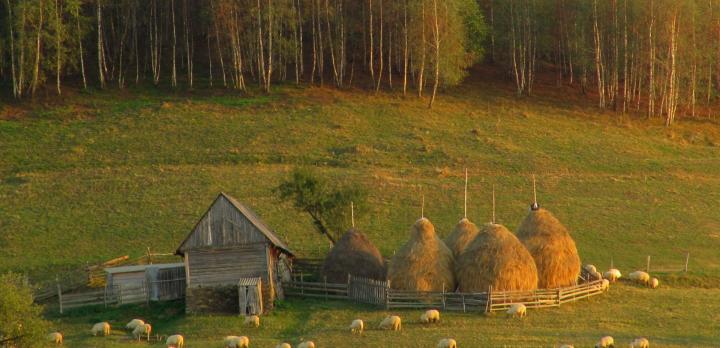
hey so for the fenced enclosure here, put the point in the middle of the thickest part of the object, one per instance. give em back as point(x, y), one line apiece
point(159, 290)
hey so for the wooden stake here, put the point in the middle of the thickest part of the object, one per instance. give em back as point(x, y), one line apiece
point(57, 281)
point(611, 263)
point(687, 260)
point(534, 192)
point(493, 204)
point(422, 207)
point(352, 214)
point(647, 269)
point(466, 184)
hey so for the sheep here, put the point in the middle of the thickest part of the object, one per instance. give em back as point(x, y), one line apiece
point(605, 342)
point(590, 268)
point(236, 342)
point(306, 344)
point(605, 284)
point(357, 326)
point(101, 328)
point(177, 341)
point(654, 283)
point(447, 343)
point(567, 346)
point(134, 323)
point(613, 275)
point(640, 342)
point(517, 309)
point(596, 275)
point(283, 345)
point(252, 321)
point(391, 323)
point(140, 330)
point(640, 277)
point(430, 316)
point(55, 337)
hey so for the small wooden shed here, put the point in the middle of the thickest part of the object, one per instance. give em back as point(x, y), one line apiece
point(154, 282)
point(250, 296)
point(229, 243)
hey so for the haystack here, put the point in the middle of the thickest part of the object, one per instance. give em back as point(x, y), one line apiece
point(552, 247)
point(464, 233)
point(496, 258)
point(424, 263)
point(353, 254)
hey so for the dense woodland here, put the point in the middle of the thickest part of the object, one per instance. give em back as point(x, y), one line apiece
point(660, 58)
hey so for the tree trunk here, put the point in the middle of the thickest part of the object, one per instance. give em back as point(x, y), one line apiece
point(437, 55)
point(380, 51)
point(421, 73)
point(36, 70)
point(405, 48)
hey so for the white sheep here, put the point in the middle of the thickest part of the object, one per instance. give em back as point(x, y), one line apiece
point(391, 323)
point(283, 345)
point(567, 346)
point(612, 274)
point(590, 268)
point(236, 342)
point(447, 343)
point(306, 344)
point(605, 284)
point(357, 326)
point(654, 283)
point(177, 341)
point(140, 330)
point(596, 275)
point(517, 309)
point(253, 321)
point(134, 323)
point(605, 342)
point(55, 337)
point(101, 328)
point(430, 316)
point(640, 277)
point(640, 342)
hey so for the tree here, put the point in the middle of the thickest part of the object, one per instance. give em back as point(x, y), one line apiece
point(327, 204)
point(22, 324)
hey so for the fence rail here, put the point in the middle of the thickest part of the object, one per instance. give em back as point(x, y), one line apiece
point(160, 290)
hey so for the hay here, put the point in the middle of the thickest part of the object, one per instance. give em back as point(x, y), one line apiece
point(495, 258)
point(424, 263)
point(464, 233)
point(552, 247)
point(353, 254)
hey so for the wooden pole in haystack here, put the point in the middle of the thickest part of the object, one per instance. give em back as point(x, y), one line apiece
point(493, 204)
point(352, 214)
point(687, 260)
point(466, 184)
point(422, 207)
point(535, 205)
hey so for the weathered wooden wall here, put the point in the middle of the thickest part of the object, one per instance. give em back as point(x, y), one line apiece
point(226, 266)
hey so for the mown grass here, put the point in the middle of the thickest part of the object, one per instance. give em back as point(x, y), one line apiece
point(103, 174)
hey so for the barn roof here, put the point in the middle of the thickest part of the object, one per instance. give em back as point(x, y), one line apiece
point(252, 217)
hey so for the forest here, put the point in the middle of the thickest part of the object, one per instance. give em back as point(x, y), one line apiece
point(657, 58)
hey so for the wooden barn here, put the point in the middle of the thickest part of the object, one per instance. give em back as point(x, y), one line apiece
point(231, 245)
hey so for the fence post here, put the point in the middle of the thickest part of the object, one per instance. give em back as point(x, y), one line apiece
point(325, 286)
point(443, 296)
point(559, 295)
point(147, 294)
point(488, 305)
point(687, 260)
point(647, 269)
point(348, 287)
point(463, 302)
point(302, 285)
point(387, 294)
point(105, 295)
point(57, 281)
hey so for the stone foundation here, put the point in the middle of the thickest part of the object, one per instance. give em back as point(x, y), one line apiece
point(220, 299)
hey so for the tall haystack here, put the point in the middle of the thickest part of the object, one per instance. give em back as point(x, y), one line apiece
point(552, 247)
point(464, 233)
point(424, 263)
point(356, 255)
point(496, 258)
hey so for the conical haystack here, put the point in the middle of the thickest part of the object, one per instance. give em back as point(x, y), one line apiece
point(552, 247)
point(353, 254)
point(424, 263)
point(464, 233)
point(496, 258)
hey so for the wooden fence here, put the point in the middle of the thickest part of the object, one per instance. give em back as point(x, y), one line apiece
point(379, 293)
point(161, 290)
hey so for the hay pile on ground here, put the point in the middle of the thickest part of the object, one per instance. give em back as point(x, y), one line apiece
point(552, 247)
point(464, 233)
point(353, 254)
point(496, 258)
point(424, 263)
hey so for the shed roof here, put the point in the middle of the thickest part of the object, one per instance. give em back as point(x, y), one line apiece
point(142, 268)
point(251, 216)
point(249, 281)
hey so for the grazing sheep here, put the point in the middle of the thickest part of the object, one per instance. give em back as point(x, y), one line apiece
point(567, 346)
point(613, 275)
point(596, 275)
point(391, 323)
point(640, 342)
point(236, 342)
point(590, 268)
point(654, 283)
point(176, 341)
point(101, 328)
point(134, 323)
point(640, 277)
point(430, 316)
point(605, 342)
point(357, 326)
point(253, 321)
point(517, 309)
point(605, 284)
point(283, 345)
point(447, 343)
point(307, 344)
point(140, 330)
point(55, 337)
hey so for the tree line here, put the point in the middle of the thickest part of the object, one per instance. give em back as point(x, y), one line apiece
point(657, 57)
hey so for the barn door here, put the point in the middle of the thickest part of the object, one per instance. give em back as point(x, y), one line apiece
point(242, 299)
point(250, 296)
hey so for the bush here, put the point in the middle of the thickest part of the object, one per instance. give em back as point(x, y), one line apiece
point(22, 324)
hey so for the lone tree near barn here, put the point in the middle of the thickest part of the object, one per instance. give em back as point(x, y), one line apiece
point(228, 245)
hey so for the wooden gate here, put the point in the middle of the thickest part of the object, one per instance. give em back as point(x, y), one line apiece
point(367, 290)
point(250, 296)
